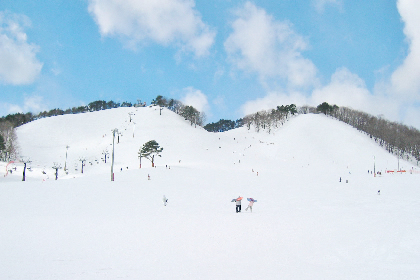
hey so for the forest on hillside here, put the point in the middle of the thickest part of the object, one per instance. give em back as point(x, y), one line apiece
point(8, 144)
point(396, 138)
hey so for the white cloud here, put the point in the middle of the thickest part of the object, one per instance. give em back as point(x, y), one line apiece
point(18, 62)
point(272, 49)
point(34, 104)
point(401, 93)
point(412, 116)
point(13, 108)
point(219, 73)
point(397, 97)
point(166, 22)
point(320, 4)
point(405, 80)
point(219, 101)
point(196, 98)
point(345, 89)
point(272, 100)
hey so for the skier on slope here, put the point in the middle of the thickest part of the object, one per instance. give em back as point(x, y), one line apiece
point(165, 200)
point(238, 203)
point(251, 203)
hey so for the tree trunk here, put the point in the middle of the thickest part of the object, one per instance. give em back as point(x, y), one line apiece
point(24, 171)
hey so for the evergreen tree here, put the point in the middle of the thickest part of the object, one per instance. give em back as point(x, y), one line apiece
point(149, 150)
point(160, 101)
point(326, 108)
point(97, 105)
point(126, 104)
point(221, 126)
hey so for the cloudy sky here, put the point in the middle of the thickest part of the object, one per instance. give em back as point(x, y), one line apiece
point(227, 58)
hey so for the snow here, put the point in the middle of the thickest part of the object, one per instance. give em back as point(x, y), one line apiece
point(305, 225)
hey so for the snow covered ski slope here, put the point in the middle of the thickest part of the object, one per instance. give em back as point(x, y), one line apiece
point(306, 224)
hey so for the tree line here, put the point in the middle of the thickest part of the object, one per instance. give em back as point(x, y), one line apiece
point(188, 112)
point(266, 120)
point(223, 125)
point(19, 119)
point(270, 119)
point(396, 138)
point(8, 143)
point(9, 150)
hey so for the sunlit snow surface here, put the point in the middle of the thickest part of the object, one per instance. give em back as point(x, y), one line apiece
point(306, 223)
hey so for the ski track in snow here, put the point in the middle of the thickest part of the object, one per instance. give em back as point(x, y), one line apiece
point(305, 225)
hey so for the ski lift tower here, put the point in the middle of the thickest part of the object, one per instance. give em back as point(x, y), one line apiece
point(65, 163)
point(25, 162)
point(374, 166)
point(113, 142)
point(130, 114)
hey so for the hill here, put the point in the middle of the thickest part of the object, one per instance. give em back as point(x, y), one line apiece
point(310, 139)
point(306, 223)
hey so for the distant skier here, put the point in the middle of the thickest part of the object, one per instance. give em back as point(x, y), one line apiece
point(238, 203)
point(165, 200)
point(251, 203)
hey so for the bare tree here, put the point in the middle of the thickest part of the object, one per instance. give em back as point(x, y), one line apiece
point(10, 150)
point(56, 166)
point(396, 138)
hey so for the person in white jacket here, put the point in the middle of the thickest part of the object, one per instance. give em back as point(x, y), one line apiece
point(165, 200)
point(238, 204)
point(251, 202)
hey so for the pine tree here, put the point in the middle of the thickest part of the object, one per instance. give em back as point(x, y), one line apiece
point(149, 150)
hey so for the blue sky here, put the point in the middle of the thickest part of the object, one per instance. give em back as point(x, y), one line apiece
point(227, 58)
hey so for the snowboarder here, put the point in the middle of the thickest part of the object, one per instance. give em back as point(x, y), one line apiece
point(251, 203)
point(165, 200)
point(238, 203)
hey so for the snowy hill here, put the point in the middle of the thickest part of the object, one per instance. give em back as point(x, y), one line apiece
point(306, 223)
point(308, 139)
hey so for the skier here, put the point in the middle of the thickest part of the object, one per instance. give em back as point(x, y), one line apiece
point(165, 200)
point(238, 203)
point(251, 202)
